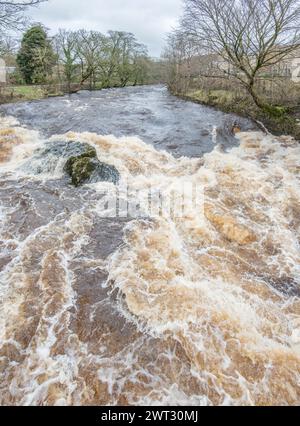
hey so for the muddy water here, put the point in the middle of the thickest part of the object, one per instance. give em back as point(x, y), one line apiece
point(150, 112)
point(202, 308)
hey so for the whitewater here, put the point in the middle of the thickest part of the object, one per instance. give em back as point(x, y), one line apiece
point(201, 308)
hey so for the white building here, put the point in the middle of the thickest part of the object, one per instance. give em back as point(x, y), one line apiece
point(294, 66)
point(288, 67)
point(2, 71)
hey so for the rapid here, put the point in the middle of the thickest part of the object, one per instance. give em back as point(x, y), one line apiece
point(201, 308)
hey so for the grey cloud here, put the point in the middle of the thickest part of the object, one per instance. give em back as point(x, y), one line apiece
point(149, 20)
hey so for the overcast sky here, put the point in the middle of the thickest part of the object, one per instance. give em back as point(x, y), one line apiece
point(149, 20)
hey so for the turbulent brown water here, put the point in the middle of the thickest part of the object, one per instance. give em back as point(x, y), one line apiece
point(199, 309)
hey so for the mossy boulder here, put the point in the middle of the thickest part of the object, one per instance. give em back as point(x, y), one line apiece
point(86, 168)
point(79, 161)
point(80, 169)
point(90, 170)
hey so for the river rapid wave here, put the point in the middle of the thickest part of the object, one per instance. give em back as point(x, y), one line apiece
point(201, 308)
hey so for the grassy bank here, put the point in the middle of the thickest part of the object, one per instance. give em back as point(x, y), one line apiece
point(278, 120)
point(27, 93)
point(21, 93)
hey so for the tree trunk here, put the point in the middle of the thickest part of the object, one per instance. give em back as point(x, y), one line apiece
point(257, 100)
point(69, 85)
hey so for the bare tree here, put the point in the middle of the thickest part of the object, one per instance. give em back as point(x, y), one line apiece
point(12, 13)
point(115, 58)
point(89, 44)
point(8, 46)
point(140, 64)
point(180, 54)
point(128, 52)
point(108, 58)
point(250, 35)
point(67, 53)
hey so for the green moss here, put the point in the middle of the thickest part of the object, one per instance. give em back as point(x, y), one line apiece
point(284, 124)
point(81, 170)
point(81, 167)
point(275, 111)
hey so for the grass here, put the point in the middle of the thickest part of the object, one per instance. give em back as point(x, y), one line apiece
point(31, 92)
point(277, 119)
point(25, 93)
point(28, 92)
point(212, 96)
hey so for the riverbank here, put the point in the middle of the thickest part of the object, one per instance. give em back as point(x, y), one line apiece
point(24, 93)
point(283, 121)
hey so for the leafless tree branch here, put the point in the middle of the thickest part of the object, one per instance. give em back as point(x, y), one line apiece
point(250, 35)
point(13, 13)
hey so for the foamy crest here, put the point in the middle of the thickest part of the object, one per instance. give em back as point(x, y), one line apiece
point(16, 143)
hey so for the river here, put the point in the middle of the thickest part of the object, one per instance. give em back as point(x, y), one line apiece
point(198, 308)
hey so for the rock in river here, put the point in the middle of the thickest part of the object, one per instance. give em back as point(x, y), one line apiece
point(78, 160)
point(86, 168)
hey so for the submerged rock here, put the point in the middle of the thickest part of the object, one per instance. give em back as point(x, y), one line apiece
point(66, 149)
point(78, 160)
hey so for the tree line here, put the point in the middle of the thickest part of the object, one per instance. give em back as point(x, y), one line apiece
point(81, 58)
point(101, 60)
